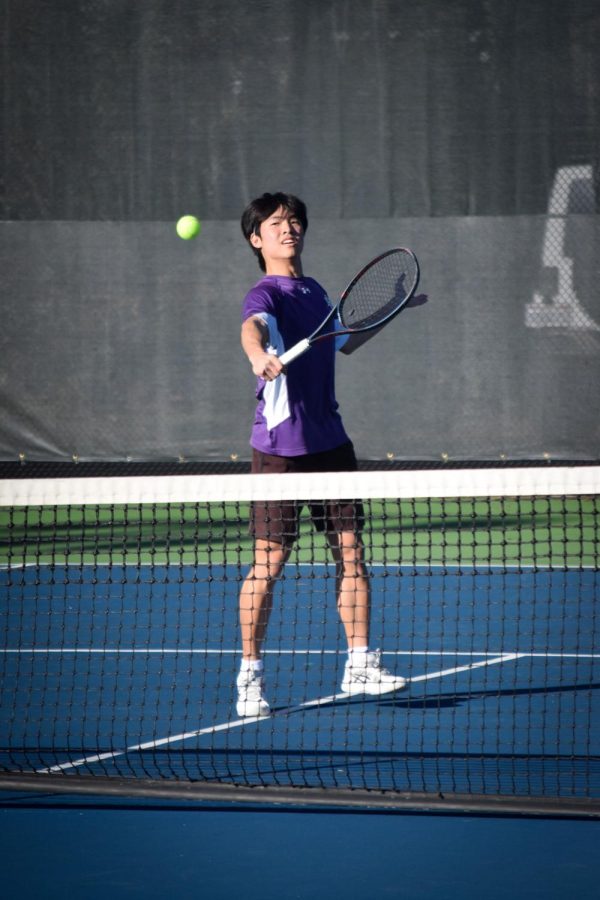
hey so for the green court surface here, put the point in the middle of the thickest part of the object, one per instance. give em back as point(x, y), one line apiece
point(544, 532)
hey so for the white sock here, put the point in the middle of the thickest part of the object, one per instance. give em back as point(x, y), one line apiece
point(357, 656)
point(252, 665)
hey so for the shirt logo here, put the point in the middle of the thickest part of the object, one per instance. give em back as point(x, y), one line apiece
point(304, 289)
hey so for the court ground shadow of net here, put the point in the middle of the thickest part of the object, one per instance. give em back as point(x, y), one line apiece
point(459, 698)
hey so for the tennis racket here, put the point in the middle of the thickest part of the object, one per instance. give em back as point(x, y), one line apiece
point(372, 299)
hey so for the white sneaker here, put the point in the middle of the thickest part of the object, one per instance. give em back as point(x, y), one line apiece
point(251, 701)
point(371, 678)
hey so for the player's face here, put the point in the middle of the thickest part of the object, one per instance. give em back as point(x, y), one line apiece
point(281, 237)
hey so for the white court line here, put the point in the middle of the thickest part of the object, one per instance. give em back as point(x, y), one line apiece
point(467, 568)
point(507, 657)
point(206, 651)
point(237, 723)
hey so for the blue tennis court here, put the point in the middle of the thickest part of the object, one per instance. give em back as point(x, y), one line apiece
point(120, 738)
point(130, 671)
point(99, 849)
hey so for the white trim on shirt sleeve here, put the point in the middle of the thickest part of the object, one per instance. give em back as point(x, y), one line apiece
point(275, 393)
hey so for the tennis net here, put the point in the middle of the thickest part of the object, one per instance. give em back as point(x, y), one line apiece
point(120, 643)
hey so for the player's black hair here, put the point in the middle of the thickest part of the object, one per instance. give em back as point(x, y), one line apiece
point(262, 208)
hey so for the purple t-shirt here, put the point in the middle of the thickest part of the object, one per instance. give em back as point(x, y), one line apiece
point(297, 413)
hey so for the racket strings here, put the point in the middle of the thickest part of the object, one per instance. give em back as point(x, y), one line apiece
point(380, 290)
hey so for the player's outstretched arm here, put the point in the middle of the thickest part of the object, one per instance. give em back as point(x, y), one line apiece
point(255, 338)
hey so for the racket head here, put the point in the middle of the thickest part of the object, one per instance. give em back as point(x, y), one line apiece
point(379, 291)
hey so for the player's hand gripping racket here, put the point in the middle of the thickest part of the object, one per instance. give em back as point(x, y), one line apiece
point(374, 296)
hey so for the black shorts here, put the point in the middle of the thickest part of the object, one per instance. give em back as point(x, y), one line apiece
point(278, 520)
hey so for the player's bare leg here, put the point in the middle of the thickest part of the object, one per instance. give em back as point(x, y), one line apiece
point(363, 673)
point(256, 603)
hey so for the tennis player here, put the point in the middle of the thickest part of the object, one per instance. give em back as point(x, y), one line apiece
point(297, 428)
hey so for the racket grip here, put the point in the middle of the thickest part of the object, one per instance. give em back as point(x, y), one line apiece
point(295, 351)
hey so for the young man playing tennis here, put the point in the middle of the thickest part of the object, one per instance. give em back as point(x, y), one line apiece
point(297, 428)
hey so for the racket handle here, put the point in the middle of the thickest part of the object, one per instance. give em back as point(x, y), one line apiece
point(297, 350)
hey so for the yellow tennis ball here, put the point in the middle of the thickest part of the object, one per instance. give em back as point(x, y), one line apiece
point(188, 227)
